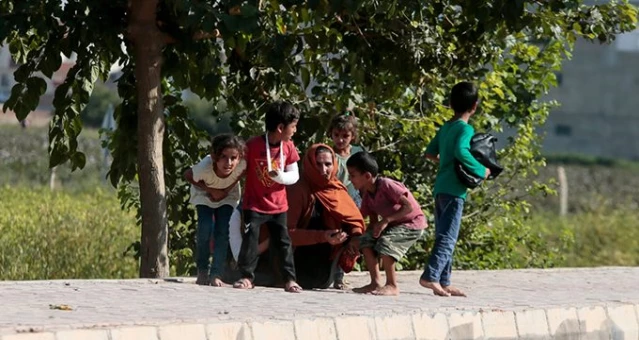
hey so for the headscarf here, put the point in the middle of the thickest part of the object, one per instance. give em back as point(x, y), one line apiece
point(331, 193)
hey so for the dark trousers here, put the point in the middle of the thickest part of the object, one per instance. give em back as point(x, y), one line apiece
point(280, 244)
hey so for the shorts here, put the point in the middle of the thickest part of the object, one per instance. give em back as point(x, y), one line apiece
point(394, 241)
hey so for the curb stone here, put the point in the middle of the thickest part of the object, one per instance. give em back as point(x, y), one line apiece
point(597, 322)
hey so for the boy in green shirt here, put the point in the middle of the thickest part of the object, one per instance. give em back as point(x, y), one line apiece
point(452, 142)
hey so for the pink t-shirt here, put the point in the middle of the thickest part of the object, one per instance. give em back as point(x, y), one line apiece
point(261, 193)
point(385, 202)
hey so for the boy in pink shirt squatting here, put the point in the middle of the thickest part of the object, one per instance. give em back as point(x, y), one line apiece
point(396, 221)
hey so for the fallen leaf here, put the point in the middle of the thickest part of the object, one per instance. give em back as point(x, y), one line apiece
point(60, 307)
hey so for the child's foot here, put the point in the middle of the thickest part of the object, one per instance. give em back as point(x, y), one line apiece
point(216, 282)
point(340, 284)
point(243, 284)
point(292, 287)
point(454, 291)
point(202, 278)
point(387, 290)
point(367, 289)
point(435, 286)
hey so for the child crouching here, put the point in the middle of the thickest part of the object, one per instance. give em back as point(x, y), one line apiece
point(396, 221)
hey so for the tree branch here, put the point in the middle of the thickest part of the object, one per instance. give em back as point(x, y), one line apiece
point(199, 35)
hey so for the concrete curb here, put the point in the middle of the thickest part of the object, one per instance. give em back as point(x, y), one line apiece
point(595, 322)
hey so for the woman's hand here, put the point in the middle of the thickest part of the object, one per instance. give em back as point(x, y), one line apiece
point(335, 237)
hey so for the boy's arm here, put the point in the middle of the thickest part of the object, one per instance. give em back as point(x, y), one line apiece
point(289, 176)
point(432, 151)
point(405, 209)
point(462, 153)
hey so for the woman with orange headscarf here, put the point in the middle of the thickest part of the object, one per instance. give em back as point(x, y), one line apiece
point(323, 220)
point(323, 223)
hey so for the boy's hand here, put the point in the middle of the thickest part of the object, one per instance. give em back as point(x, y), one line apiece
point(273, 173)
point(335, 237)
point(353, 245)
point(487, 173)
point(378, 227)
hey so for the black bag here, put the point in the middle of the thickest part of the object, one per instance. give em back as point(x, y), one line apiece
point(482, 147)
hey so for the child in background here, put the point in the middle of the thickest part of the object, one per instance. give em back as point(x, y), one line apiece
point(396, 222)
point(272, 164)
point(215, 192)
point(343, 132)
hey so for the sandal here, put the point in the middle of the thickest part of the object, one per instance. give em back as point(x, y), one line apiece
point(243, 284)
point(202, 278)
point(292, 287)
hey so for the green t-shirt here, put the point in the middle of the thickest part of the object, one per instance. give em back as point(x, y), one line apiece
point(342, 171)
point(451, 142)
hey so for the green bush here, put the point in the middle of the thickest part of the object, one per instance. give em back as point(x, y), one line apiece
point(499, 244)
point(57, 235)
point(606, 237)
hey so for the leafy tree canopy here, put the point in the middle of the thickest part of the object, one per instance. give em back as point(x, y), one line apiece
point(391, 61)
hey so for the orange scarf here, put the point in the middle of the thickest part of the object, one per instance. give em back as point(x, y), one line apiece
point(339, 207)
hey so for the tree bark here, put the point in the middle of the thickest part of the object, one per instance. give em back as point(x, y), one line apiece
point(148, 43)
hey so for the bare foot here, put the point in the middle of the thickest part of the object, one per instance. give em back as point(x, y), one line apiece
point(243, 284)
point(453, 291)
point(435, 286)
point(367, 289)
point(216, 282)
point(292, 287)
point(388, 290)
point(340, 284)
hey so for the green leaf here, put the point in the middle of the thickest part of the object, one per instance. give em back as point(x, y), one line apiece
point(306, 77)
point(50, 64)
point(78, 161)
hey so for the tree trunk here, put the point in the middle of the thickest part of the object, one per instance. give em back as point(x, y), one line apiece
point(148, 44)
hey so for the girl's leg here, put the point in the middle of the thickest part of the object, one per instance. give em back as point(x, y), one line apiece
point(203, 237)
point(221, 236)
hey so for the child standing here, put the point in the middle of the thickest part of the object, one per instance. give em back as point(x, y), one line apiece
point(343, 132)
point(272, 164)
point(396, 221)
point(452, 142)
point(215, 192)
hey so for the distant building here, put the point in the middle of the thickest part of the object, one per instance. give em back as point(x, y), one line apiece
point(599, 111)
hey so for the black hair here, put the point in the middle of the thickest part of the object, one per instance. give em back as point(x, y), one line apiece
point(345, 121)
point(463, 96)
point(363, 162)
point(224, 141)
point(280, 113)
point(322, 149)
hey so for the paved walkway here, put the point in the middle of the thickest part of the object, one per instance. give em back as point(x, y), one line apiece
point(600, 302)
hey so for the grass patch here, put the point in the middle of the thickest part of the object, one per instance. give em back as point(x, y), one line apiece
point(60, 235)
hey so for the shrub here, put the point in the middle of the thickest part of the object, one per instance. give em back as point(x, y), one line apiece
point(24, 160)
point(606, 237)
point(57, 235)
